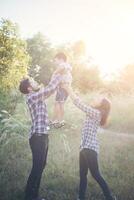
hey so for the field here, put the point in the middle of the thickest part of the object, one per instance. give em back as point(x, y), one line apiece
point(61, 177)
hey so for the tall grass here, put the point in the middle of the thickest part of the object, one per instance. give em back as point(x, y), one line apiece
point(61, 176)
point(122, 115)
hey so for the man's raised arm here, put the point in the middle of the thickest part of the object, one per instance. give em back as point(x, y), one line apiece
point(45, 92)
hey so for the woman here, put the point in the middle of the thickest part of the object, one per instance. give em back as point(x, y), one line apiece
point(96, 116)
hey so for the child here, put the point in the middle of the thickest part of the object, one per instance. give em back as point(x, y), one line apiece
point(96, 116)
point(65, 70)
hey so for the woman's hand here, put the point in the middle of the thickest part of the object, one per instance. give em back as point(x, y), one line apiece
point(68, 88)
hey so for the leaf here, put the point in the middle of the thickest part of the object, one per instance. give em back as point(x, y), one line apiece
point(4, 120)
point(4, 111)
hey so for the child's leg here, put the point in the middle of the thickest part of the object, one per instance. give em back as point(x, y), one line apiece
point(56, 111)
point(63, 98)
point(83, 175)
point(61, 111)
point(94, 169)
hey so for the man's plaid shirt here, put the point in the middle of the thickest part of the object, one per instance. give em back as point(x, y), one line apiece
point(89, 131)
point(37, 106)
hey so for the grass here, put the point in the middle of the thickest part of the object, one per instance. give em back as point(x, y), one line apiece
point(122, 116)
point(61, 176)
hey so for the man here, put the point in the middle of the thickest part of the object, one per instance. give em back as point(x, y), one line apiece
point(38, 139)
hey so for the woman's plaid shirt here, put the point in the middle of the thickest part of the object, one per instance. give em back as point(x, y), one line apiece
point(37, 106)
point(89, 131)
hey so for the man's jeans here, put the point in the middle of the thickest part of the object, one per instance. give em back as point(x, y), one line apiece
point(39, 148)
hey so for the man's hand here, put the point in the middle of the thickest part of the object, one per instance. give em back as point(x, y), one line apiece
point(60, 71)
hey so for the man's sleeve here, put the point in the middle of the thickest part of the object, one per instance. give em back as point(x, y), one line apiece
point(49, 89)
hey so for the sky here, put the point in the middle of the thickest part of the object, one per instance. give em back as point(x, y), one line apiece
point(106, 26)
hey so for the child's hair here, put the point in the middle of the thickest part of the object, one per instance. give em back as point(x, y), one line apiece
point(24, 84)
point(104, 108)
point(62, 56)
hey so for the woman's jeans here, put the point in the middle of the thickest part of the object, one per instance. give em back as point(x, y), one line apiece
point(88, 160)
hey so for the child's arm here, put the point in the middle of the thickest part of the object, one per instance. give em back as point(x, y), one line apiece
point(92, 112)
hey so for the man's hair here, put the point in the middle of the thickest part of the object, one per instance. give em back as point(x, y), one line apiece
point(62, 56)
point(24, 84)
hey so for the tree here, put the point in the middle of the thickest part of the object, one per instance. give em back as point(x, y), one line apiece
point(14, 61)
point(127, 78)
point(78, 48)
point(13, 55)
point(86, 75)
point(42, 53)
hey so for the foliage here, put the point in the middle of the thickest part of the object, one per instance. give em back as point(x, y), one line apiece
point(86, 78)
point(122, 117)
point(123, 83)
point(9, 100)
point(127, 78)
point(42, 53)
point(13, 56)
point(86, 75)
point(10, 123)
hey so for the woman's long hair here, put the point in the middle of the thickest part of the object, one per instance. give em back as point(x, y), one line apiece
point(104, 109)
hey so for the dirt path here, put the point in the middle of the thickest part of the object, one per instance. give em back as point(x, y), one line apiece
point(130, 135)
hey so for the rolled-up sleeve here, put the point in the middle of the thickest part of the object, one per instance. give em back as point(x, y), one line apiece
point(49, 89)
